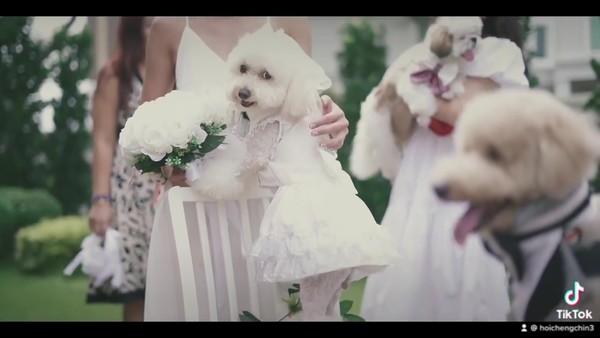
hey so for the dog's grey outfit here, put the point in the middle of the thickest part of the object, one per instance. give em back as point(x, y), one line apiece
point(543, 265)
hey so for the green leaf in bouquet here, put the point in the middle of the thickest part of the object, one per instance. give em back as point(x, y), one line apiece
point(146, 165)
point(348, 317)
point(345, 306)
point(246, 316)
point(188, 158)
point(292, 291)
point(211, 143)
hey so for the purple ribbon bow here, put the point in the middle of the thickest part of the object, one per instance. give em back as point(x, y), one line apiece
point(430, 76)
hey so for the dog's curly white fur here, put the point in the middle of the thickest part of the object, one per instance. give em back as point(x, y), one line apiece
point(219, 173)
point(375, 147)
point(272, 75)
point(518, 149)
point(449, 42)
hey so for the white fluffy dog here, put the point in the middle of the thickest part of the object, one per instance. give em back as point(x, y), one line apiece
point(523, 163)
point(294, 92)
point(438, 61)
point(273, 78)
point(438, 70)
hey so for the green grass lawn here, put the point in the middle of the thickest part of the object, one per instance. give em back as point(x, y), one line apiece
point(48, 298)
point(58, 298)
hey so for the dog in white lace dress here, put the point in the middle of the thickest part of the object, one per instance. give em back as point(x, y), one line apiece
point(316, 231)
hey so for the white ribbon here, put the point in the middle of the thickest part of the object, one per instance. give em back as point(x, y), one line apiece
point(195, 169)
point(100, 262)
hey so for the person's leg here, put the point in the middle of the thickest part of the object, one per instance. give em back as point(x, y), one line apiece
point(318, 293)
point(133, 311)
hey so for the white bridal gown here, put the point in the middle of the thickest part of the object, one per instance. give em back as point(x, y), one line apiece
point(199, 66)
point(436, 279)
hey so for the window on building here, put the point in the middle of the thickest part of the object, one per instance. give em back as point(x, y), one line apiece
point(595, 32)
point(541, 41)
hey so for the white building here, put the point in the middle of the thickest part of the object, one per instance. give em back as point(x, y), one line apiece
point(563, 47)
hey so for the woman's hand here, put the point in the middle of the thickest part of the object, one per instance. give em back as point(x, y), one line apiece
point(100, 217)
point(333, 123)
point(175, 175)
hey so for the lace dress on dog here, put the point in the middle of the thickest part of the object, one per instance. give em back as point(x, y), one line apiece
point(315, 222)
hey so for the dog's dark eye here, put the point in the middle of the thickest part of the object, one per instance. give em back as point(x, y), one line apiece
point(493, 154)
point(265, 75)
point(243, 69)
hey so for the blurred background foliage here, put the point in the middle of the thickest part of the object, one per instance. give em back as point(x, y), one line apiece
point(362, 63)
point(54, 161)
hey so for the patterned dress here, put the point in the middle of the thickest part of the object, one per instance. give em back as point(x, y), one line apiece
point(133, 213)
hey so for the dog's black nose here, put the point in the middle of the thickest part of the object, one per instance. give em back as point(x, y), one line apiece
point(244, 93)
point(474, 40)
point(442, 191)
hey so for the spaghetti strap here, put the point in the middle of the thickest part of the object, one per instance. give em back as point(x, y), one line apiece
point(187, 21)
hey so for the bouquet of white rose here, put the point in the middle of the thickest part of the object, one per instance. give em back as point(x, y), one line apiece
point(176, 129)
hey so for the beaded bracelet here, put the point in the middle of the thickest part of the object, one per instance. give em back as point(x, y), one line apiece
point(97, 198)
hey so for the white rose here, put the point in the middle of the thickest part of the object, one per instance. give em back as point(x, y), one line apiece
point(179, 132)
point(155, 143)
point(127, 138)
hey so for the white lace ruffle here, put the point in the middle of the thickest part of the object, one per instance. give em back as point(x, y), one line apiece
point(317, 227)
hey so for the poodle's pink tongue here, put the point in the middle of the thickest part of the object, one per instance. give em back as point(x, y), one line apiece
point(468, 223)
point(469, 55)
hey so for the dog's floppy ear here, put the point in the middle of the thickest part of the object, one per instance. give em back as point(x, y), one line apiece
point(568, 153)
point(440, 40)
point(303, 95)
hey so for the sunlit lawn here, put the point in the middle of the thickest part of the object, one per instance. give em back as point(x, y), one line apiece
point(58, 298)
point(48, 298)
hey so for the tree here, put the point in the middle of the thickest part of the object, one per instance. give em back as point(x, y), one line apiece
point(362, 63)
point(529, 55)
point(22, 72)
point(53, 161)
point(67, 145)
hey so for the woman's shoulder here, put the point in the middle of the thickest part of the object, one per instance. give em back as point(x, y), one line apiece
point(168, 29)
point(107, 78)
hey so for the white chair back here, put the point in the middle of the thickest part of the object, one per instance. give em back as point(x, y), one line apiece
point(224, 248)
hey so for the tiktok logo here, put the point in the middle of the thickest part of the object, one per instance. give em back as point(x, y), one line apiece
point(572, 296)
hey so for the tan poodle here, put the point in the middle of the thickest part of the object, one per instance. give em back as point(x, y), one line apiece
point(523, 163)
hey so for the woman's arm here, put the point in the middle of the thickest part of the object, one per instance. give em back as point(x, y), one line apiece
point(105, 107)
point(160, 60)
point(448, 111)
point(333, 122)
